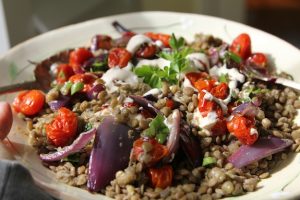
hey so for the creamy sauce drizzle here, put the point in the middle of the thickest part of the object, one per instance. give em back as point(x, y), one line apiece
point(199, 61)
point(136, 41)
point(118, 75)
point(160, 63)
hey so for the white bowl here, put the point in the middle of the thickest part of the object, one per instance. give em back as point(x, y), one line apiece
point(284, 181)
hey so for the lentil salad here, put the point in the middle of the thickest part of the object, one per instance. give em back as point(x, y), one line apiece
point(197, 95)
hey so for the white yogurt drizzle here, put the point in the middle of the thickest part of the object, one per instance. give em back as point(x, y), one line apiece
point(253, 131)
point(118, 75)
point(160, 63)
point(136, 41)
point(208, 96)
point(198, 61)
point(154, 92)
point(204, 122)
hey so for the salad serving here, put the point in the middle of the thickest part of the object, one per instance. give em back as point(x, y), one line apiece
point(151, 116)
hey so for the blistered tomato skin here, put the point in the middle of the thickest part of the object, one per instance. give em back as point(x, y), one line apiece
point(78, 57)
point(259, 60)
point(6, 119)
point(164, 38)
point(240, 127)
point(118, 57)
point(161, 177)
point(241, 46)
point(157, 152)
point(64, 72)
point(29, 102)
point(63, 128)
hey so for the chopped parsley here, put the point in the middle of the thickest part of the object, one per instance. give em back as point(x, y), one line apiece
point(208, 161)
point(157, 129)
point(224, 78)
point(154, 76)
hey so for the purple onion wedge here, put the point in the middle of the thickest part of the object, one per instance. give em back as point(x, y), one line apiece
point(61, 102)
point(146, 104)
point(190, 145)
point(264, 147)
point(174, 136)
point(246, 109)
point(110, 153)
point(78, 144)
point(93, 93)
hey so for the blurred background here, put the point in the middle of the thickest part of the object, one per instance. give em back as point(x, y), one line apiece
point(20, 20)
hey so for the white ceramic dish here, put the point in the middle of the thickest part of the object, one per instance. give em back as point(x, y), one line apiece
point(15, 68)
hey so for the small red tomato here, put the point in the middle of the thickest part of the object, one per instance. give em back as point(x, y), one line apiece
point(29, 102)
point(63, 128)
point(205, 106)
point(219, 128)
point(101, 42)
point(118, 57)
point(146, 51)
point(86, 79)
point(241, 46)
point(157, 152)
point(259, 60)
point(164, 38)
point(170, 103)
point(201, 81)
point(78, 57)
point(240, 127)
point(220, 91)
point(161, 177)
point(64, 72)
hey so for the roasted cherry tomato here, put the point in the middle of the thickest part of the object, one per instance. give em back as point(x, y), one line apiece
point(118, 57)
point(29, 102)
point(64, 72)
point(220, 91)
point(219, 128)
point(78, 57)
point(155, 154)
point(259, 60)
point(161, 177)
point(86, 79)
point(146, 51)
point(101, 42)
point(241, 127)
point(164, 38)
point(205, 106)
point(62, 130)
point(241, 46)
point(170, 103)
point(201, 81)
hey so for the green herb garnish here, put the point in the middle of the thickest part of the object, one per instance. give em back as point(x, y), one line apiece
point(157, 129)
point(208, 161)
point(73, 158)
point(154, 76)
point(76, 87)
point(88, 126)
point(224, 78)
point(65, 89)
point(232, 56)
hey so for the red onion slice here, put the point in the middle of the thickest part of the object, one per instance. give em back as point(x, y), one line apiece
point(246, 109)
point(77, 145)
point(264, 147)
point(110, 153)
point(146, 104)
point(61, 102)
point(93, 93)
point(174, 136)
point(190, 145)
